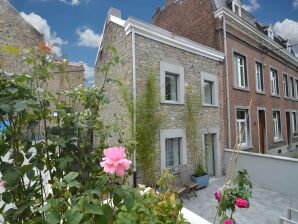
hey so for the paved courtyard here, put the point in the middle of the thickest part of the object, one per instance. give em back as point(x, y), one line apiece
point(266, 206)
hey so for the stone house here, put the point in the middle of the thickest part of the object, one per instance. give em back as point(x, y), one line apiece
point(179, 64)
point(259, 65)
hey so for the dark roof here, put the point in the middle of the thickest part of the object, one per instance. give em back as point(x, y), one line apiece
point(248, 17)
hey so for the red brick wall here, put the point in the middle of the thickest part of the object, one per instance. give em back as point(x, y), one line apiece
point(192, 19)
point(242, 98)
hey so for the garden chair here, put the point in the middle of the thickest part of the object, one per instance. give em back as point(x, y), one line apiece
point(186, 180)
point(177, 185)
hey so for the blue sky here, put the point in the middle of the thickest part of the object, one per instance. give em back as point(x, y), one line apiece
point(76, 25)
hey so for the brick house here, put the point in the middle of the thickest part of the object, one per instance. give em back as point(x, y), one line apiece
point(179, 63)
point(259, 65)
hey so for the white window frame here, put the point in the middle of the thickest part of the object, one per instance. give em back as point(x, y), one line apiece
point(210, 78)
point(274, 82)
point(294, 122)
point(289, 47)
point(296, 88)
point(246, 129)
point(172, 133)
point(292, 87)
point(277, 125)
point(234, 8)
point(270, 32)
point(286, 85)
point(259, 77)
point(237, 70)
point(178, 70)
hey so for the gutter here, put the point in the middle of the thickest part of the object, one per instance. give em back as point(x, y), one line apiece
point(227, 81)
point(134, 92)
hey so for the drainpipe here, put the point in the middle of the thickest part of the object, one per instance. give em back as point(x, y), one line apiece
point(227, 81)
point(134, 92)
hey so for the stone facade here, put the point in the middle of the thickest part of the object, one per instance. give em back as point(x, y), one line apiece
point(151, 54)
point(16, 32)
point(203, 24)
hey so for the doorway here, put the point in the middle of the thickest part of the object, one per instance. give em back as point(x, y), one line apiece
point(262, 131)
point(210, 149)
point(288, 121)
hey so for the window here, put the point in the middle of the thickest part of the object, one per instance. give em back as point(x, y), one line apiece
point(171, 83)
point(289, 47)
point(236, 9)
point(274, 82)
point(259, 77)
point(296, 89)
point(242, 126)
point(173, 152)
point(286, 86)
point(276, 125)
point(294, 123)
point(270, 32)
point(209, 87)
point(171, 87)
point(292, 87)
point(173, 148)
point(240, 71)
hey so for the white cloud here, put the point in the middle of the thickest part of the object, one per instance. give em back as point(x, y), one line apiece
point(252, 6)
point(295, 4)
point(89, 73)
point(71, 2)
point(42, 26)
point(288, 29)
point(88, 38)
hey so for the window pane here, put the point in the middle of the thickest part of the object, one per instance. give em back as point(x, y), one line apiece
point(173, 152)
point(242, 126)
point(171, 83)
point(208, 92)
point(240, 70)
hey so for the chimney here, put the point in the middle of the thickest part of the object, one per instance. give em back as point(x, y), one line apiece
point(114, 12)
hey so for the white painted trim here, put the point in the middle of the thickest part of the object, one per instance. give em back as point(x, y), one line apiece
point(155, 33)
point(225, 12)
point(172, 133)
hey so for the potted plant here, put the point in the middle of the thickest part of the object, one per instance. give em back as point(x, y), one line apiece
point(200, 177)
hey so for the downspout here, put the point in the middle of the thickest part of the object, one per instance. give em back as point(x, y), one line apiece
point(134, 92)
point(227, 82)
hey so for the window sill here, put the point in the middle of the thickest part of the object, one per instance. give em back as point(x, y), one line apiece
point(287, 98)
point(171, 102)
point(278, 140)
point(260, 92)
point(210, 105)
point(274, 95)
point(245, 147)
point(242, 89)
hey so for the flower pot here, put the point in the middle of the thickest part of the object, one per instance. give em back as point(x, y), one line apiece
point(202, 181)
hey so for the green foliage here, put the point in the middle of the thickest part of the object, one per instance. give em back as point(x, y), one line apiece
point(49, 163)
point(166, 181)
point(240, 188)
point(147, 124)
point(200, 171)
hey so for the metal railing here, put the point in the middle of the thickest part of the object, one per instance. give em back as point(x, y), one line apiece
point(289, 220)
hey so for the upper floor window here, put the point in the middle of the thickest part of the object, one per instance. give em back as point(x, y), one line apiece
point(270, 32)
point(259, 77)
point(209, 87)
point(286, 85)
point(242, 125)
point(296, 89)
point(236, 8)
point(276, 125)
point(240, 71)
point(274, 82)
point(289, 47)
point(171, 83)
point(292, 85)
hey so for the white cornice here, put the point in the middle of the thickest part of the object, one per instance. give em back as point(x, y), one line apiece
point(166, 37)
point(225, 12)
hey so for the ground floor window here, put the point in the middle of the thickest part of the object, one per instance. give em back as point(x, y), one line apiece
point(173, 148)
point(294, 124)
point(276, 125)
point(242, 126)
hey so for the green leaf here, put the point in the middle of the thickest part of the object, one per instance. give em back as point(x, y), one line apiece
point(53, 217)
point(129, 200)
point(20, 106)
point(93, 209)
point(29, 60)
point(74, 183)
point(73, 216)
point(70, 176)
point(5, 107)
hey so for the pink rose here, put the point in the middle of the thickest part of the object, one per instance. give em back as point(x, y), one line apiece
point(2, 183)
point(218, 195)
point(229, 221)
point(114, 161)
point(242, 203)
